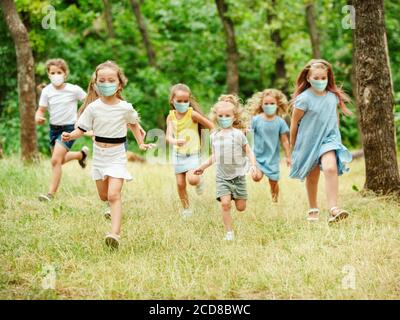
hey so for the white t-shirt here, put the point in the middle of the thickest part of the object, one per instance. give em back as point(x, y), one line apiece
point(62, 104)
point(106, 120)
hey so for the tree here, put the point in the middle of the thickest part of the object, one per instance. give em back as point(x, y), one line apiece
point(26, 80)
point(375, 97)
point(151, 55)
point(108, 16)
point(313, 31)
point(280, 78)
point(232, 75)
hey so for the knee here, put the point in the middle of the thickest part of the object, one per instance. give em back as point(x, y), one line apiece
point(193, 180)
point(226, 206)
point(103, 196)
point(330, 169)
point(56, 162)
point(241, 207)
point(257, 178)
point(181, 185)
point(113, 196)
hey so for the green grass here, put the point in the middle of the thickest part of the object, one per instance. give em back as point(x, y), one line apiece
point(276, 255)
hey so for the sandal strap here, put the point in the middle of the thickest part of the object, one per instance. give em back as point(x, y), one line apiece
point(333, 209)
point(313, 210)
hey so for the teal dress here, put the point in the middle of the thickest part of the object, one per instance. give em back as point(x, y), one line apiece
point(318, 133)
point(267, 144)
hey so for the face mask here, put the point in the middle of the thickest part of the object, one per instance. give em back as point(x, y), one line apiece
point(106, 89)
point(269, 109)
point(57, 79)
point(181, 107)
point(319, 85)
point(225, 122)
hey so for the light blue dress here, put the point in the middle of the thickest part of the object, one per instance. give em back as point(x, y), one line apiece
point(267, 144)
point(318, 133)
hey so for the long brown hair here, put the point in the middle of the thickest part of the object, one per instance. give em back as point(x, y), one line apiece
point(302, 83)
point(92, 95)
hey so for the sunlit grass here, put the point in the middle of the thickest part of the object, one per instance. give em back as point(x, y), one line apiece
point(276, 254)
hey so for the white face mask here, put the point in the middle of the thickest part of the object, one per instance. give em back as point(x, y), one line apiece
point(56, 79)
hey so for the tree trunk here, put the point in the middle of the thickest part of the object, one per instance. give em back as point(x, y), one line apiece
point(312, 29)
point(108, 15)
point(280, 78)
point(151, 55)
point(26, 80)
point(232, 76)
point(375, 98)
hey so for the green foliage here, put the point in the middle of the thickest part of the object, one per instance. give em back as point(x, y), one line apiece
point(189, 42)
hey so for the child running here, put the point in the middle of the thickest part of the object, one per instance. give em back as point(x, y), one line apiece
point(315, 138)
point(269, 130)
point(229, 150)
point(60, 99)
point(183, 132)
point(108, 115)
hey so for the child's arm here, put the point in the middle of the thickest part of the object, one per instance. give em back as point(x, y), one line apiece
point(68, 136)
point(296, 117)
point(286, 148)
point(204, 121)
point(138, 134)
point(169, 136)
point(200, 170)
point(252, 158)
point(39, 115)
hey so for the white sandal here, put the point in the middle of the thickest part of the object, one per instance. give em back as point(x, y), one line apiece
point(312, 219)
point(342, 214)
point(112, 240)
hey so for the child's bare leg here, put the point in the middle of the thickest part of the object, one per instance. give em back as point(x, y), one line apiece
point(226, 211)
point(192, 178)
point(57, 159)
point(329, 167)
point(312, 187)
point(102, 189)
point(240, 204)
point(72, 155)
point(274, 189)
point(181, 184)
point(257, 175)
point(114, 198)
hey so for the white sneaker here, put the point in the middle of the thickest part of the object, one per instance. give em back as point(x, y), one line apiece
point(230, 236)
point(85, 153)
point(186, 213)
point(200, 186)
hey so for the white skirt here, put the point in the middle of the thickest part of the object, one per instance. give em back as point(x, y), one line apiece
point(109, 162)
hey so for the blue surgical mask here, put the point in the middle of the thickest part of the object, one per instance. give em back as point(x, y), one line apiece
point(181, 107)
point(225, 122)
point(269, 109)
point(106, 89)
point(319, 85)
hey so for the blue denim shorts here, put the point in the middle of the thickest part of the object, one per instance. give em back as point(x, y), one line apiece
point(55, 135)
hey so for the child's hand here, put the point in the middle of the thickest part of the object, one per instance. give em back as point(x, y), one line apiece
point(253, 170)
point(288, 161)
point(198, 171)
point(146, 146)
point(66, 136)
point(40, 119)
point(180, 142)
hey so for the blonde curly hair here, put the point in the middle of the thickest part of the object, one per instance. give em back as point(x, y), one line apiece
point(240, 116)
point(255, 103)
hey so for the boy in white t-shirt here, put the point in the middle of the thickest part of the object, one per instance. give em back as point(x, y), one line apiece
point(60, 99)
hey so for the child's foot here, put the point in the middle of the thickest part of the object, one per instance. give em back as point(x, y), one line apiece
point(83, 161)
point(200, 186)
point(337, 214)
point(313, 215)
point(229, 236)
point(275, 197)
point(112, 240)
point(46, 197)
point(107, 213)
point(186, 213)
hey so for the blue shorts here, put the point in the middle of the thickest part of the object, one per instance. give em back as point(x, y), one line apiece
point(55, 135)
point(185, 162)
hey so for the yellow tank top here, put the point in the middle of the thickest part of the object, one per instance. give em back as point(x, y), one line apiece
point(186, 128)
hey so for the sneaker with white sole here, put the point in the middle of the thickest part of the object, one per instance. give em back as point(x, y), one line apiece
point(230, 236)
point(85, 153)
point(200, 186)
point(187, 213)
point(46, 197)
point(112, 240)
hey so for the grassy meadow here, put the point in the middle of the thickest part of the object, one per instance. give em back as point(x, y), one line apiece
point(277, 254)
